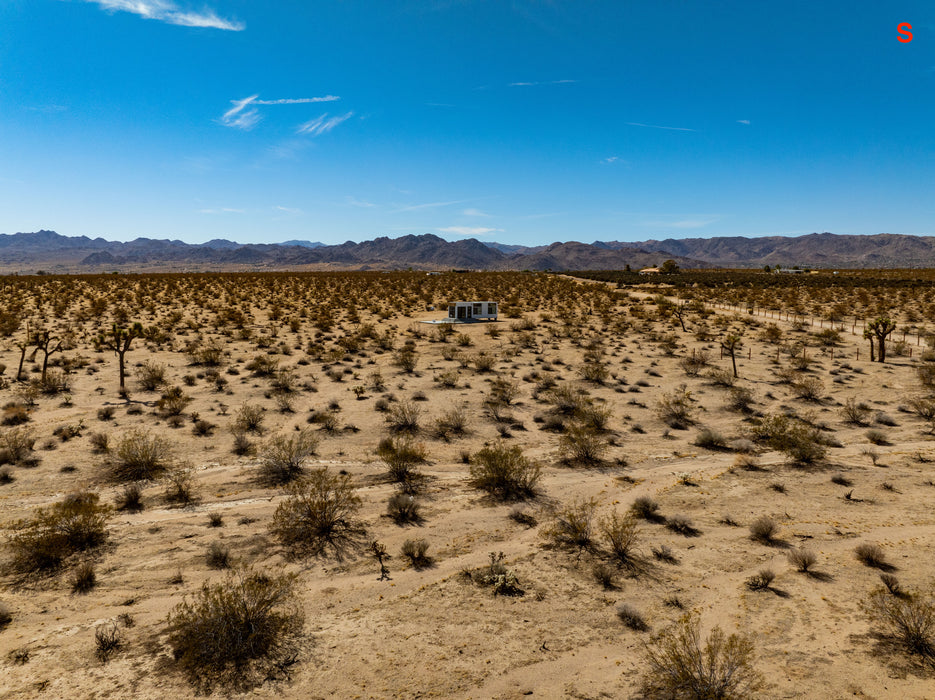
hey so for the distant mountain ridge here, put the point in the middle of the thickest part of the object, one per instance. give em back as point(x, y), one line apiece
point(48, 249)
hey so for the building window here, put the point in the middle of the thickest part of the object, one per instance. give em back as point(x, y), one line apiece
point(492, 309)
point(451, 310)
point(477, 310)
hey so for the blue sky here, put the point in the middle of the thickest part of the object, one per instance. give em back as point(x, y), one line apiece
point(522, 121)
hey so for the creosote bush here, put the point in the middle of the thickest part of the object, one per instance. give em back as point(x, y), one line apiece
point(238, 632)
point(403, 508)
point(401, 455)
point(681, 666)
point(403, 417)
point(504, 472)
point(77, 523)
point(797, 439)
point(581, 444)
point(283, 458)
point(909, 620)
point(319, 514)
point(572, 525)
point(622, 534)
point(416, 551)
point(140, 456)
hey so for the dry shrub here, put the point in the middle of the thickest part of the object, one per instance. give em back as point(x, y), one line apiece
point(802, 559)
point(75, 524)
point(795, 438)
point(17, 444)
point(130, 498)
point(239, 632)
point(172, 402)
point(572, 525)
point(675, 408)
point(582, 444)
point(403, 417)
point(681, 667)
point(504, 472)
point(871, 555)
point(764, 530)
point(218, 556)
point(249, 418)
point(808, 388)
point(622, 534)
point(631, 617)
point(855, 412)
point(107, 641)
point(83, 579)
point(180, 485)
point(451, 423)
point(283, 458)
point(761, 580)
point(416, 551)
point(740, 399)
point(150, 376)
point(319, 513)
point(909, 620)
point(401, 455)
point(646, 508)
point(140, 456)
point(403, 508)
point(710, 439)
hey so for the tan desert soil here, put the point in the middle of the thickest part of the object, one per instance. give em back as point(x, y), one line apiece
point(432, 633)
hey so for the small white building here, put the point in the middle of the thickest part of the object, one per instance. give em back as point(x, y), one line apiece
point(650, 271)
point(472, 311)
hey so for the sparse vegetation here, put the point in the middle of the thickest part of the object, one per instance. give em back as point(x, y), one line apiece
point(504, 472)
point(238, 632)
point(320, 514)
point(680, 665)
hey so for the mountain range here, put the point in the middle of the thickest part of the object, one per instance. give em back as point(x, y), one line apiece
point(53, 252)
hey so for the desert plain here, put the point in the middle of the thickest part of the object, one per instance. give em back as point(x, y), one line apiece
point(657, 484)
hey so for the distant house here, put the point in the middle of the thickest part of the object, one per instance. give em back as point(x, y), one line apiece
point(472, 310)
point(650, 271)
point(790, 271)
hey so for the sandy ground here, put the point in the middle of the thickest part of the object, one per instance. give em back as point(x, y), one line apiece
point(432, 632)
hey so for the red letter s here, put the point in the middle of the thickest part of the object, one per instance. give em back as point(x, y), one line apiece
point(904, 28)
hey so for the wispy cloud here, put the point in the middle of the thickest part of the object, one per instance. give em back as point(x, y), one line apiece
point(474, 212)
point(744, 121)
point(289, 210)
point(222, 210)
point(244, 114)
point(323, 124)
point(298, 100)
point(241, 115)
point(542, 82)
point(427, 205)
point(469, 230)
point(169, 12)
point(654, 126)
point(354, 202)
point(609, 160)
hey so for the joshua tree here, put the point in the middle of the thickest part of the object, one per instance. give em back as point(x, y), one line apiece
point(881, 328)
point(23, 346)
point(731, 343)
point(868, 334)
point(119, 340)
point(49, 345)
